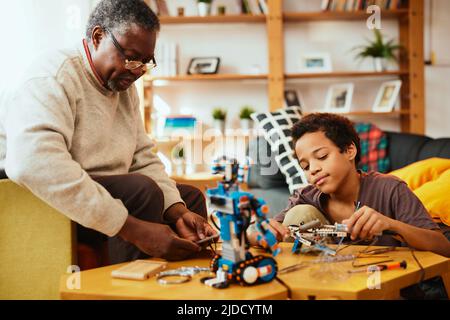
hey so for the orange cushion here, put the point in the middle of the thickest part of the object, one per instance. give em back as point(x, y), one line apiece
point(421, 172)
point(435, 196)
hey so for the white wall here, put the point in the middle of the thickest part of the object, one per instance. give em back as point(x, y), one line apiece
point(437, 76)
point(30, 26)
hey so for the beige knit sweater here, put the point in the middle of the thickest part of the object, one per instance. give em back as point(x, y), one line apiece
point(61, 126)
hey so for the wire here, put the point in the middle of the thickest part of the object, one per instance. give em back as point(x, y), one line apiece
point(339, 244)
point(422, 270)
point(289, 291)
point(213, 221)
point(213, 249)
point(352, 243)
point(412, 250)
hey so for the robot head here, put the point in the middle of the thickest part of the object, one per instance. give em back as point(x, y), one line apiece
point(229, 167)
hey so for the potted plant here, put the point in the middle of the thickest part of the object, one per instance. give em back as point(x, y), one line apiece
point(381, 52)
point(204, 7)
point(219, 116)
point(244, 115)
point(179, 159)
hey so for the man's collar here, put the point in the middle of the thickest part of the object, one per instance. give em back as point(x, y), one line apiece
point(91, 63)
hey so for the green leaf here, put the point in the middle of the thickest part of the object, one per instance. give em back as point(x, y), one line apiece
point(245, 112)
point(378, 48)
point(219, 114)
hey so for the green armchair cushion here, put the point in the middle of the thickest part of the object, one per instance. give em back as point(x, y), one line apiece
point(36, 245)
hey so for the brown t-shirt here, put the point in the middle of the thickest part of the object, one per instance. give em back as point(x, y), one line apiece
point(382, 192)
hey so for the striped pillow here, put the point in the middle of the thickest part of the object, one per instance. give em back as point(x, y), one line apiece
point(276, 127)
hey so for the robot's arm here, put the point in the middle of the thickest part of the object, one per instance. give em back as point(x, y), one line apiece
point(265, 237)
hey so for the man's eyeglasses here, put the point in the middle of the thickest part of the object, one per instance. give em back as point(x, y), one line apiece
point(132, 64)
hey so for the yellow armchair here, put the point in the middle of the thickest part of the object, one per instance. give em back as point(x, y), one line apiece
point(37, 245)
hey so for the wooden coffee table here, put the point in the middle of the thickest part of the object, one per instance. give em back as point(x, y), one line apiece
point(332, 281)
point(306, 283)
point(98, 284)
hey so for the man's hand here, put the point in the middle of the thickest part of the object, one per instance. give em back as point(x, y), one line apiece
point(367, 223)
point(188, 224)
point(193, 227)
point(157, 240)
point(278, 230)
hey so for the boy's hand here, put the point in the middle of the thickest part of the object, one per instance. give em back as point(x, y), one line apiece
point(367, 223)
point(278, 230)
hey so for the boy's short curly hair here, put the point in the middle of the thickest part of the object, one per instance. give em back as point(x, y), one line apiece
point(337, 128)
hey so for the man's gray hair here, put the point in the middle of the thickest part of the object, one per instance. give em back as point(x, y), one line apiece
point(119, 15)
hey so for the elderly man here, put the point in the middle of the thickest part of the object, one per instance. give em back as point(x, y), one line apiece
point(73, 135)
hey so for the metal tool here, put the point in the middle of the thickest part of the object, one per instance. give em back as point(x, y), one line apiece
point(324, 259)
point(208, 239)
point(377, 251)
point(382, 267)
point(294, 267)
point(185, 273)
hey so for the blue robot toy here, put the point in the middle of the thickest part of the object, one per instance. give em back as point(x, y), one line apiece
point(235, 209)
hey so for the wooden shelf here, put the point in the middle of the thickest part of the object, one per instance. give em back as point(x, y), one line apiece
point(410, 20)
point(244, 18)
point(338, 15)
point(369, 113)
point(230, 133)
point(222, 77)
point(344, 74)
point(209, 77)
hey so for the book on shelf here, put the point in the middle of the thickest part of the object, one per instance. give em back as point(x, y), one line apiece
point(173, 59)
point(358, 5)
point(254, 7)
point(163, 10)
point(263, 6)
point(245, 7)
point(174, 123)
point(166, 56)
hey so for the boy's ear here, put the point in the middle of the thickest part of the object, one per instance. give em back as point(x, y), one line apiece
point(351, 152)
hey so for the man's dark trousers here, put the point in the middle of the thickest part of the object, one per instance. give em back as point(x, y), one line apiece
point(144, 200)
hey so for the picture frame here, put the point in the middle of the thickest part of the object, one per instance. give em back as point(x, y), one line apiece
point(339, 98)
point(315, 63)
point(204, 65)
point(292, 98)
point(387, 96)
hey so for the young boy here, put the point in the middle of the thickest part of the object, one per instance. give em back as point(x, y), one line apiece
point(327, 148)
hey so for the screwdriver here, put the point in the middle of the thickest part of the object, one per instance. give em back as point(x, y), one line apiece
point(382, 267)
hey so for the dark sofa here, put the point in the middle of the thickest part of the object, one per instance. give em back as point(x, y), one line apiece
point(403, 149)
